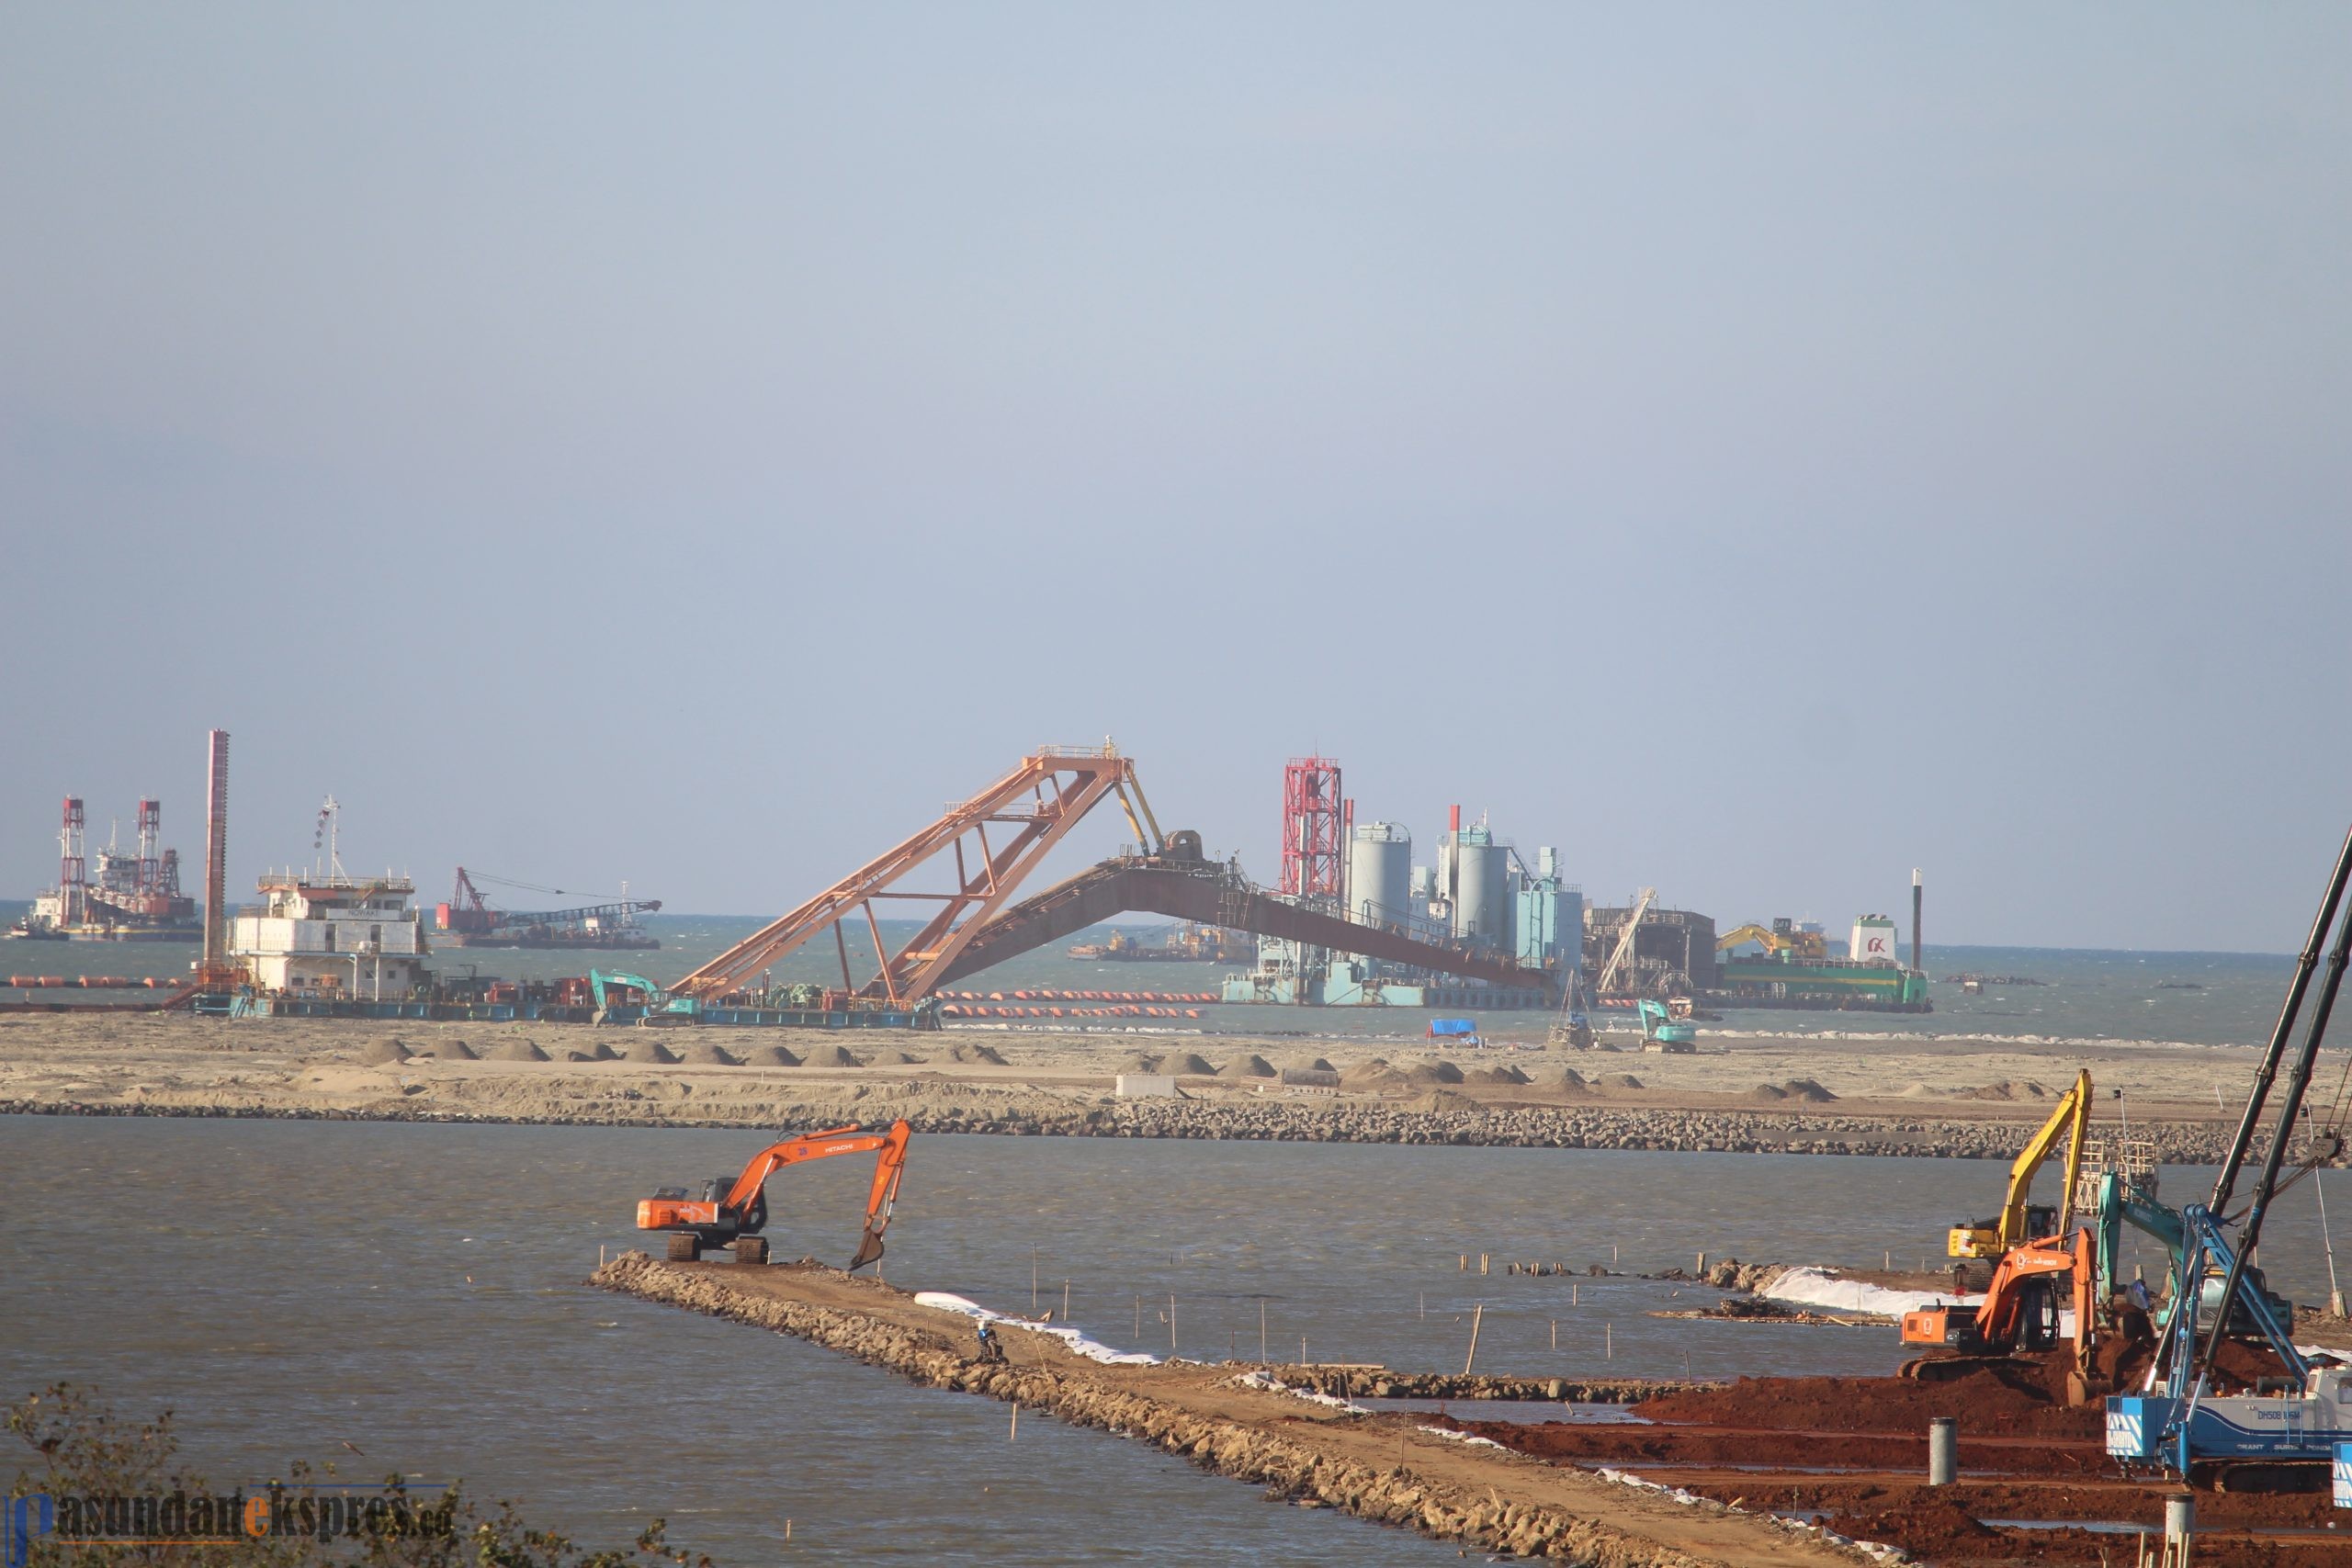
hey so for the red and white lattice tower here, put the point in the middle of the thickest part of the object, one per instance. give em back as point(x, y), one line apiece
point(73, 869)
point(1313, 846)
point(150, 835)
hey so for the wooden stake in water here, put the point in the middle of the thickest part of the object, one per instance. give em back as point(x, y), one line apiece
point(1302, 1349)
point(1033, 1280)
point(1425, 1306)
point(1477, 1317)
point(1608, 1343)
point(1016, 1433)
point(1555, 1334)
point(1261, 1328)
point(1139, 1317)
point(1065, 1301)
point(1171, 1322)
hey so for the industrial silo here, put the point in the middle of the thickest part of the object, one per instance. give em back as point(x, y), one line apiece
point(1481, 888)
point(1380, 873)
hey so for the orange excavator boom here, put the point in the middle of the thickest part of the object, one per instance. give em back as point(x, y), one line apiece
point(733, 1212)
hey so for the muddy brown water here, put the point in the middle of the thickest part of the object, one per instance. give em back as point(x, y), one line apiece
point(416, 1291)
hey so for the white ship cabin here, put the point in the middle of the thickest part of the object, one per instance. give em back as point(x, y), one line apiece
point(333, 935)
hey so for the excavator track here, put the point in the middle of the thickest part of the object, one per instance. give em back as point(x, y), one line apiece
point(1951, 1369)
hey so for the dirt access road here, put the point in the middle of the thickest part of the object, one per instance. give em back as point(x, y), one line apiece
point(1386, 1466)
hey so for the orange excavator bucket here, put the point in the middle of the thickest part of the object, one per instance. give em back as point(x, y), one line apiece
point(890, 1167)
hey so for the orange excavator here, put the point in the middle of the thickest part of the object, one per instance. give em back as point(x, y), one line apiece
point(732, 1211)
point(2020, 1312)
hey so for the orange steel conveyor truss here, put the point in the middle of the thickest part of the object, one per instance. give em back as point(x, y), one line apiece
point(1031, 809)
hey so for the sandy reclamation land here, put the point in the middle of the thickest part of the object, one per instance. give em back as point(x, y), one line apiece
point(1883, 1094)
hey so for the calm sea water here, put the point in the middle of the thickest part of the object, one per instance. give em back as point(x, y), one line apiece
point(416, 1290)
point(2200, 997)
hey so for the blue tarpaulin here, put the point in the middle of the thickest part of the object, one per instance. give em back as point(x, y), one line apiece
point(1446, 1026)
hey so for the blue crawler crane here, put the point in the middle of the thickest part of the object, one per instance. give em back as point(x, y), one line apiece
point(2265, 1416)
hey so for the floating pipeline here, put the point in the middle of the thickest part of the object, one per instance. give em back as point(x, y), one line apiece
point(1104, 1004)
point(1391, 1470)
point(90, 983)
point(968, 1009)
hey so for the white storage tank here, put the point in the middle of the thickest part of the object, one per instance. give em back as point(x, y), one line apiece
point(1481, 889)
point(1380, 873)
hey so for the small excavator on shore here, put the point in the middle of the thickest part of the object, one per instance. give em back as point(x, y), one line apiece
point(733, 1211)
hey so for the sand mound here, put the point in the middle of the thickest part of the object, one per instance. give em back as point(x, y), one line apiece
point(650, 1051)
point(1449, 1100)
point(1433, 1072)
point(836, 1057)
point(2013, 1088)
point(519, 1051)
point(1774, 1091)
point(1252, 1066)
point(1572, 1079)
point(904, 1059)
point(703, 1054)
point(1312, 1064)
point(452, 1051)
point(1310, 1077)
point(382, 1052)
point(1139, 1063)
point(1621, 1080)
point(1191, 1064)
point(1808, 1090)
point(987, 1053)
point(1497, 1075)
point(1366, 1072)
point(1916, 1092)
point(580, 1056)
point(774, 1056)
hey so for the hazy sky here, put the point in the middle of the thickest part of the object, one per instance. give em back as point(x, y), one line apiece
point(1760, 449)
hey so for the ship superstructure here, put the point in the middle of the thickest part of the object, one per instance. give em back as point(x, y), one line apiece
point(324, 932)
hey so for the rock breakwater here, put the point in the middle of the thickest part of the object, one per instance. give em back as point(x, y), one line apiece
point(1388, 1469)
point(1503, 1127)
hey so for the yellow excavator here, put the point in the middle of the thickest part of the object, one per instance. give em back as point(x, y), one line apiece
point(1781, 936)
point(2020, 1220)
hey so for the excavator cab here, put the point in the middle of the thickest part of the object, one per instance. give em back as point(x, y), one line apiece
point(1982, 1238)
